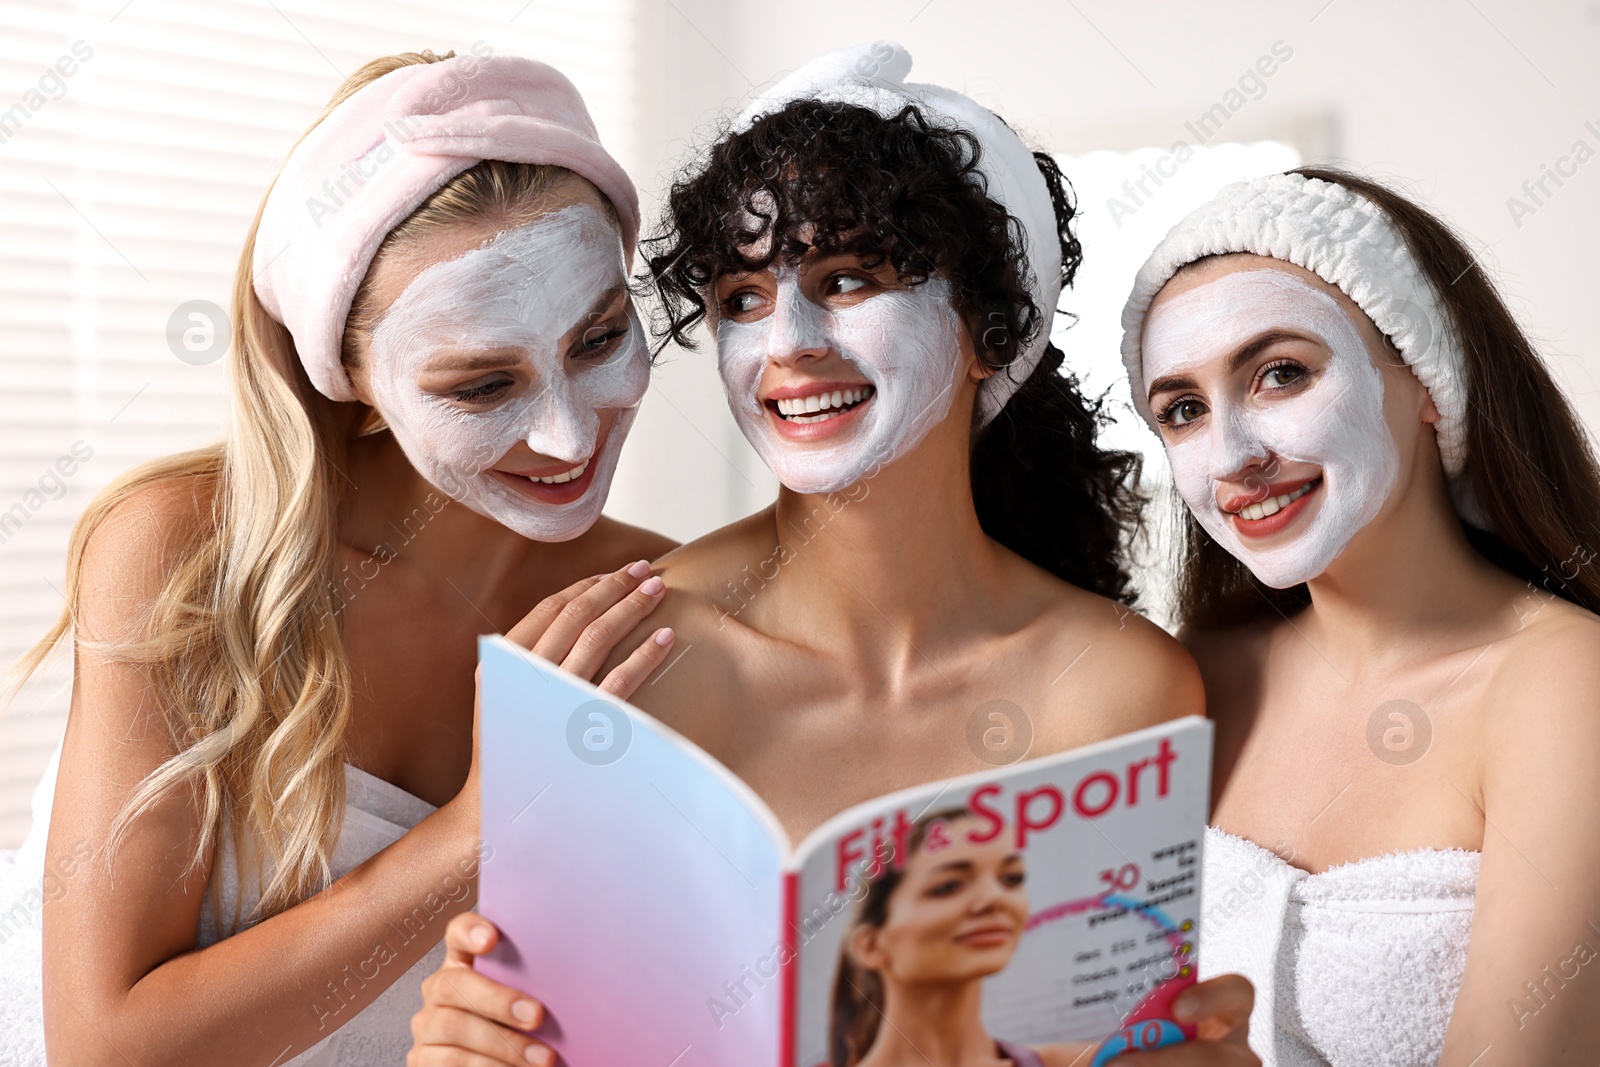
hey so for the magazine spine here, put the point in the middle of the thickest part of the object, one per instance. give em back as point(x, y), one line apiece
point(791, 970)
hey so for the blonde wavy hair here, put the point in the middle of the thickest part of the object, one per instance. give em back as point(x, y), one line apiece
point(244, 643)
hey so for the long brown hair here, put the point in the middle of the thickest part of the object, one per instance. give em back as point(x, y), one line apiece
point(1529, 460)
point(858, 1001)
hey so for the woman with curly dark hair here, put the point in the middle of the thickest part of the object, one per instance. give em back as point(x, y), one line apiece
point(939, 586)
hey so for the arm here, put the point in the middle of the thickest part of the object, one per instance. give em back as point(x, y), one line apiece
point(1531, 989)
point(137, 990)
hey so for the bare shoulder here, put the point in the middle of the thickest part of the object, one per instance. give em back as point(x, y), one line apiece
point(129, 554)
point(710, 568)
point(704, 590)
point(619, 540)
point(1542, 702)
point(1134, 672)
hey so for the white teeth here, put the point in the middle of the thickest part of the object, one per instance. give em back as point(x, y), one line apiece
point(1273, 504)
point(827, 404)
point(564, 476)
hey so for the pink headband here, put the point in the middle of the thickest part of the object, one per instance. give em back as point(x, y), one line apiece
point(366, 167)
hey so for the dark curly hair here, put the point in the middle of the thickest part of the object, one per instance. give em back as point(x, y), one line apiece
point(904, 191)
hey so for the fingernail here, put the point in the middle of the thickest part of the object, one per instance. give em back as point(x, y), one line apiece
point(525, 1010)
point(480, 936)
point(1185, 1007)
point(537, 1054)
point(652, 586)
point(640, 569)
point(665, 636)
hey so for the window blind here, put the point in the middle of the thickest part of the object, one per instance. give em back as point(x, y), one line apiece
point(136, 139)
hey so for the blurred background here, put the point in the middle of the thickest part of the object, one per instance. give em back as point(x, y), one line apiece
point(137, 136)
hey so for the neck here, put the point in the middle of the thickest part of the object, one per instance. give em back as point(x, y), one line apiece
point(946, 1019)
point(392, 512)
point(887, 566)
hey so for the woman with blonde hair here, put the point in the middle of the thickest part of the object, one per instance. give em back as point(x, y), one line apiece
point(264, 793)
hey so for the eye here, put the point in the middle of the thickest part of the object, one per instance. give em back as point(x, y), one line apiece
point(1182, 411)
point(744, 302)
point(844, 283)
point(1013, 879)
point(944, 888)
point(598, 342)
point(1282, 374)
point(481, 394)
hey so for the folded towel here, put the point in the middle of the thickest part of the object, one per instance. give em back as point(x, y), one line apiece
point(1357, 966)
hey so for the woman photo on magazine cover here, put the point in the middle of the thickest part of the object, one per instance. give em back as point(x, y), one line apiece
point(273, 692)
point(879, 264)
point(930, 928)
point(1389, 582)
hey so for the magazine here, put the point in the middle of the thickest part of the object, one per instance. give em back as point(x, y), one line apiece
point(655, 905)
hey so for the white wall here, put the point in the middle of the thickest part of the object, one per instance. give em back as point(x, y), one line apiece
point(1459, 102)
point(1462, 101)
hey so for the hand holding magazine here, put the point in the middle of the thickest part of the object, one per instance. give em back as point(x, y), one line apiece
point(656, 906)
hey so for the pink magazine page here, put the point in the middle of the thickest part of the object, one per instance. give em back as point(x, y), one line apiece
point(1054, 899)
point(639, 886)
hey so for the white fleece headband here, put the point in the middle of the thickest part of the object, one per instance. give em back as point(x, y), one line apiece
point(873, 76)
point(376, 157)
point(1347, 241)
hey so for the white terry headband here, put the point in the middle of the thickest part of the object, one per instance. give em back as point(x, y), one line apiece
point(873, 76)
point(1347, 241)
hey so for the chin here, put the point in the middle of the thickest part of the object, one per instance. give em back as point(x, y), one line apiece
point(548, 523)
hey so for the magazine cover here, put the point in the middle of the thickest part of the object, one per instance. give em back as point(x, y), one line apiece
point(656, 906)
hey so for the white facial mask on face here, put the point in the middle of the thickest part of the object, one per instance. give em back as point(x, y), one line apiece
point(1336, 422)
point(904, 341)
point(525, 290)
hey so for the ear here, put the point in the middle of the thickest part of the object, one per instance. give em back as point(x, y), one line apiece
point(864, 948)
point(1429, 413)
point(977, 369)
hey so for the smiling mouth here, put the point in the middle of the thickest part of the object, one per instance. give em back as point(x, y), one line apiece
point(1262, 509)
point(986, 936)
point(564, 477)
point(1267, 518)
point(560, 488)
point(820, 407)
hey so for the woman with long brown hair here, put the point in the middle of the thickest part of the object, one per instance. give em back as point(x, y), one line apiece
point(265, 794)
point(1389, 582)
point(930, 928)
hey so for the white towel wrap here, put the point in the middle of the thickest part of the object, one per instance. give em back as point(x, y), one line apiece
point(1357, 966)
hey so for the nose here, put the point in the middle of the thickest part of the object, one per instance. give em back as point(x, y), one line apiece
point(985, 896)
point(1239, 453)
point(561, 426)
point(799, 327)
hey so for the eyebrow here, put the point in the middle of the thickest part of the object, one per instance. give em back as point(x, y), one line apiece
point(605, 300)
point(476, 361)
point(586, 320)
point(503, 358)
point(952, 865)
point(1252, 348)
